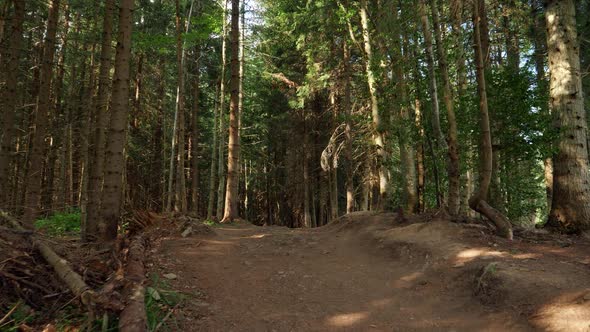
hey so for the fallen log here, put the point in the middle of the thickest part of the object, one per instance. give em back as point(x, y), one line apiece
point(61, 266)
point(133, 318)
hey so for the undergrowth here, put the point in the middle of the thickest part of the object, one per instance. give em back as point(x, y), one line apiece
point(60, 223)
point(160, 301)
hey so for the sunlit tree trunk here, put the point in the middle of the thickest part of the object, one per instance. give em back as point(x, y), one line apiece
point(378, 136)
point(233, 165)
point(348, 127)
point(540, 49)
point(433, 86)
point(37, 146)
point(112, 194)
point(570, 211)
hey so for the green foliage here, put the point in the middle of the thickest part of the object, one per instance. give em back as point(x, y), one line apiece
point(60, 223)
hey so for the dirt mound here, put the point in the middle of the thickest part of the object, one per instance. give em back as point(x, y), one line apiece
point(541, 276)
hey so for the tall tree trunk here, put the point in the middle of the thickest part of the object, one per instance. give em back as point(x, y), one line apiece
point(37, 147)
point(97, 154)
point(213, 169)
point(10, 61)
point(478, 201)
point(457, 21)
point(221, 153)
point(378, 136)
point(407, 152)
point(195, 194)
point(570, 211)
point(433, 86)
point(307, 200)
point(157, 163)
point(348, 129)
point(112, 194)
point(540, 49)
point(420, 168)
point(453, 167)
point(233, 167)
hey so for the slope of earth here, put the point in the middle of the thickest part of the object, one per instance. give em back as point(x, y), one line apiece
point(372, 272)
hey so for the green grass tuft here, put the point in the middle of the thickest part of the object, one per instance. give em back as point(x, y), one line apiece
point(60, 223)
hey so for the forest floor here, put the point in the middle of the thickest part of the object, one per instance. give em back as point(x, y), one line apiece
point(375, 272)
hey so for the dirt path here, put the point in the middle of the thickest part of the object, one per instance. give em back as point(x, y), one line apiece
point(248, 278)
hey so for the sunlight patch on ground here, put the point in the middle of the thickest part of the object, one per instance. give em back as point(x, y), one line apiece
point(347, 320)
point(256, 236)
point(407, 280)
point(526, 256)
point(566, 316)
point(469, 255)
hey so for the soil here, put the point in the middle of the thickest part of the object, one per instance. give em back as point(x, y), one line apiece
point(377, 272)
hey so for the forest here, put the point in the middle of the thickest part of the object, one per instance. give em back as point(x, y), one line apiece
point(155, 152)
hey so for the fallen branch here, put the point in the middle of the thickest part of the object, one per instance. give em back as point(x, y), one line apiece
point(72, 279)
point(10, 312)
point(133, 318)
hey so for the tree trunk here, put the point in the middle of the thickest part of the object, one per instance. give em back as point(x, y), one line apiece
point(195, 194)
point(407, 152)
point(233, 167)
point(348, 129)
point(157, 157)
point(457, 21)
point(570, 211)
point(37, 147)
point(97, 154)
point(10, 62)
point(212, 173)
point(221, 153)
point(453, 167)
point(433, 86)
point(478, 201)
point(540, 49)
point(420, 168)
point(378, 137)
point(112, 194)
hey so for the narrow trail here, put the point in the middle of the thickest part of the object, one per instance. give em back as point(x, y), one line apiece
point(248, 278)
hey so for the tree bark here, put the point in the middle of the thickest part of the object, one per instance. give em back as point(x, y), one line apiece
point(233, 167)
point(212, 171)
point(112, 194)
point(378, 136)
point(453, 167)
point(10, 66)
point(96, 166)
point(195, 194)
point(348, 127)
point(570, 211)
point(37, 146)
point(433, 86)
point(478, 201)
point(221, 152)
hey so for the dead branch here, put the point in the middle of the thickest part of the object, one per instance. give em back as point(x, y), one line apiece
point(61, 266)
